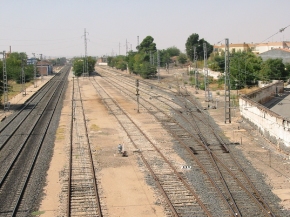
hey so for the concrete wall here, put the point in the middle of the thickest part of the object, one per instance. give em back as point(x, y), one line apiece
point(267, 93)
point(271, 125)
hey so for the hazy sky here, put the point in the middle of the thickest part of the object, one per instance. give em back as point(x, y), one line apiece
point(55, 27)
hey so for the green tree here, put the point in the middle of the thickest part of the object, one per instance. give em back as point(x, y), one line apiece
point(244, 69)
point(216, 62)
point(78, 66)
point(182, 58)
point(273, 69)
point(287, 69)
point(193, 40)
point(172, 51)
point(147, 45)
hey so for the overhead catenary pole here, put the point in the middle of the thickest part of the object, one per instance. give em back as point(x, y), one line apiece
point(126, 47)
point(137, 94)
point(85, 73)
point(23, 89)
point(34, 69)
point(41, 66)
point(206, 88)
point(5, 84)
point(195, 67)
point(158, 65)
point(227, 83)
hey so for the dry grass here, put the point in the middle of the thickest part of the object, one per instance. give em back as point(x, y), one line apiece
point(94, 127)
point(60, 133)
point(15, 88)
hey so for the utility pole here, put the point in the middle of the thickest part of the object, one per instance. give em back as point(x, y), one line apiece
point(227, 83)
point(34, 69)
point(126, 47)
point(86, 73)
point(137, 94)
point(195, 68)
point(119, 48)
point(138, 42)
point(41, 71)
point(23, 89)
point(5, 84)
point(158, 65)
point(206, 88)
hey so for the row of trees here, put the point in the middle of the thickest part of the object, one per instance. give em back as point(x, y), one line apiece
point(14, 62)
point(247, 68)
point(80, 64)
point(144, 61)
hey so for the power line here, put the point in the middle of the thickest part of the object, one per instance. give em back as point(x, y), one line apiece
point(280, 30)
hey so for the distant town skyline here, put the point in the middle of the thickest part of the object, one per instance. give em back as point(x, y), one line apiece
point(55, 28)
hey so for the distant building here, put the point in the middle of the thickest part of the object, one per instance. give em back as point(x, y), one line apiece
point(102, 61)
point(31, 61)
point(232, 48)
point(44, 67)
point(284, 54)
point(257, 48)
point(263, 47)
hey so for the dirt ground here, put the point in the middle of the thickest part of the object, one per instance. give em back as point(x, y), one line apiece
point(124, 190)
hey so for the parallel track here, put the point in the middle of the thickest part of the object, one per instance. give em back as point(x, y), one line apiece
point(181, 198)
point(20, 152)
point(83, 197)
point(208, 150)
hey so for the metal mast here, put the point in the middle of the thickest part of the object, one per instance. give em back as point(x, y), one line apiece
point(86, 73)
point(206, 88)
point(158, 65)
point(195, 67)
point(41, 66)
point(23, 89)
point(5, 84)
point(34, 69)
point(227, 83)
point(126, 47)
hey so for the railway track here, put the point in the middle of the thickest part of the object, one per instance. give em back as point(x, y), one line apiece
point(191, 127)
point(22, 139)
point(83, 197)
point(181, 198)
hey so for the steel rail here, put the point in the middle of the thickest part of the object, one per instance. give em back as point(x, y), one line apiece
point(264, 206)
point(27, 103)
point(23, 144)
point(91, 157)
point(233, 207)
point(165, 159)
point(18, 201)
